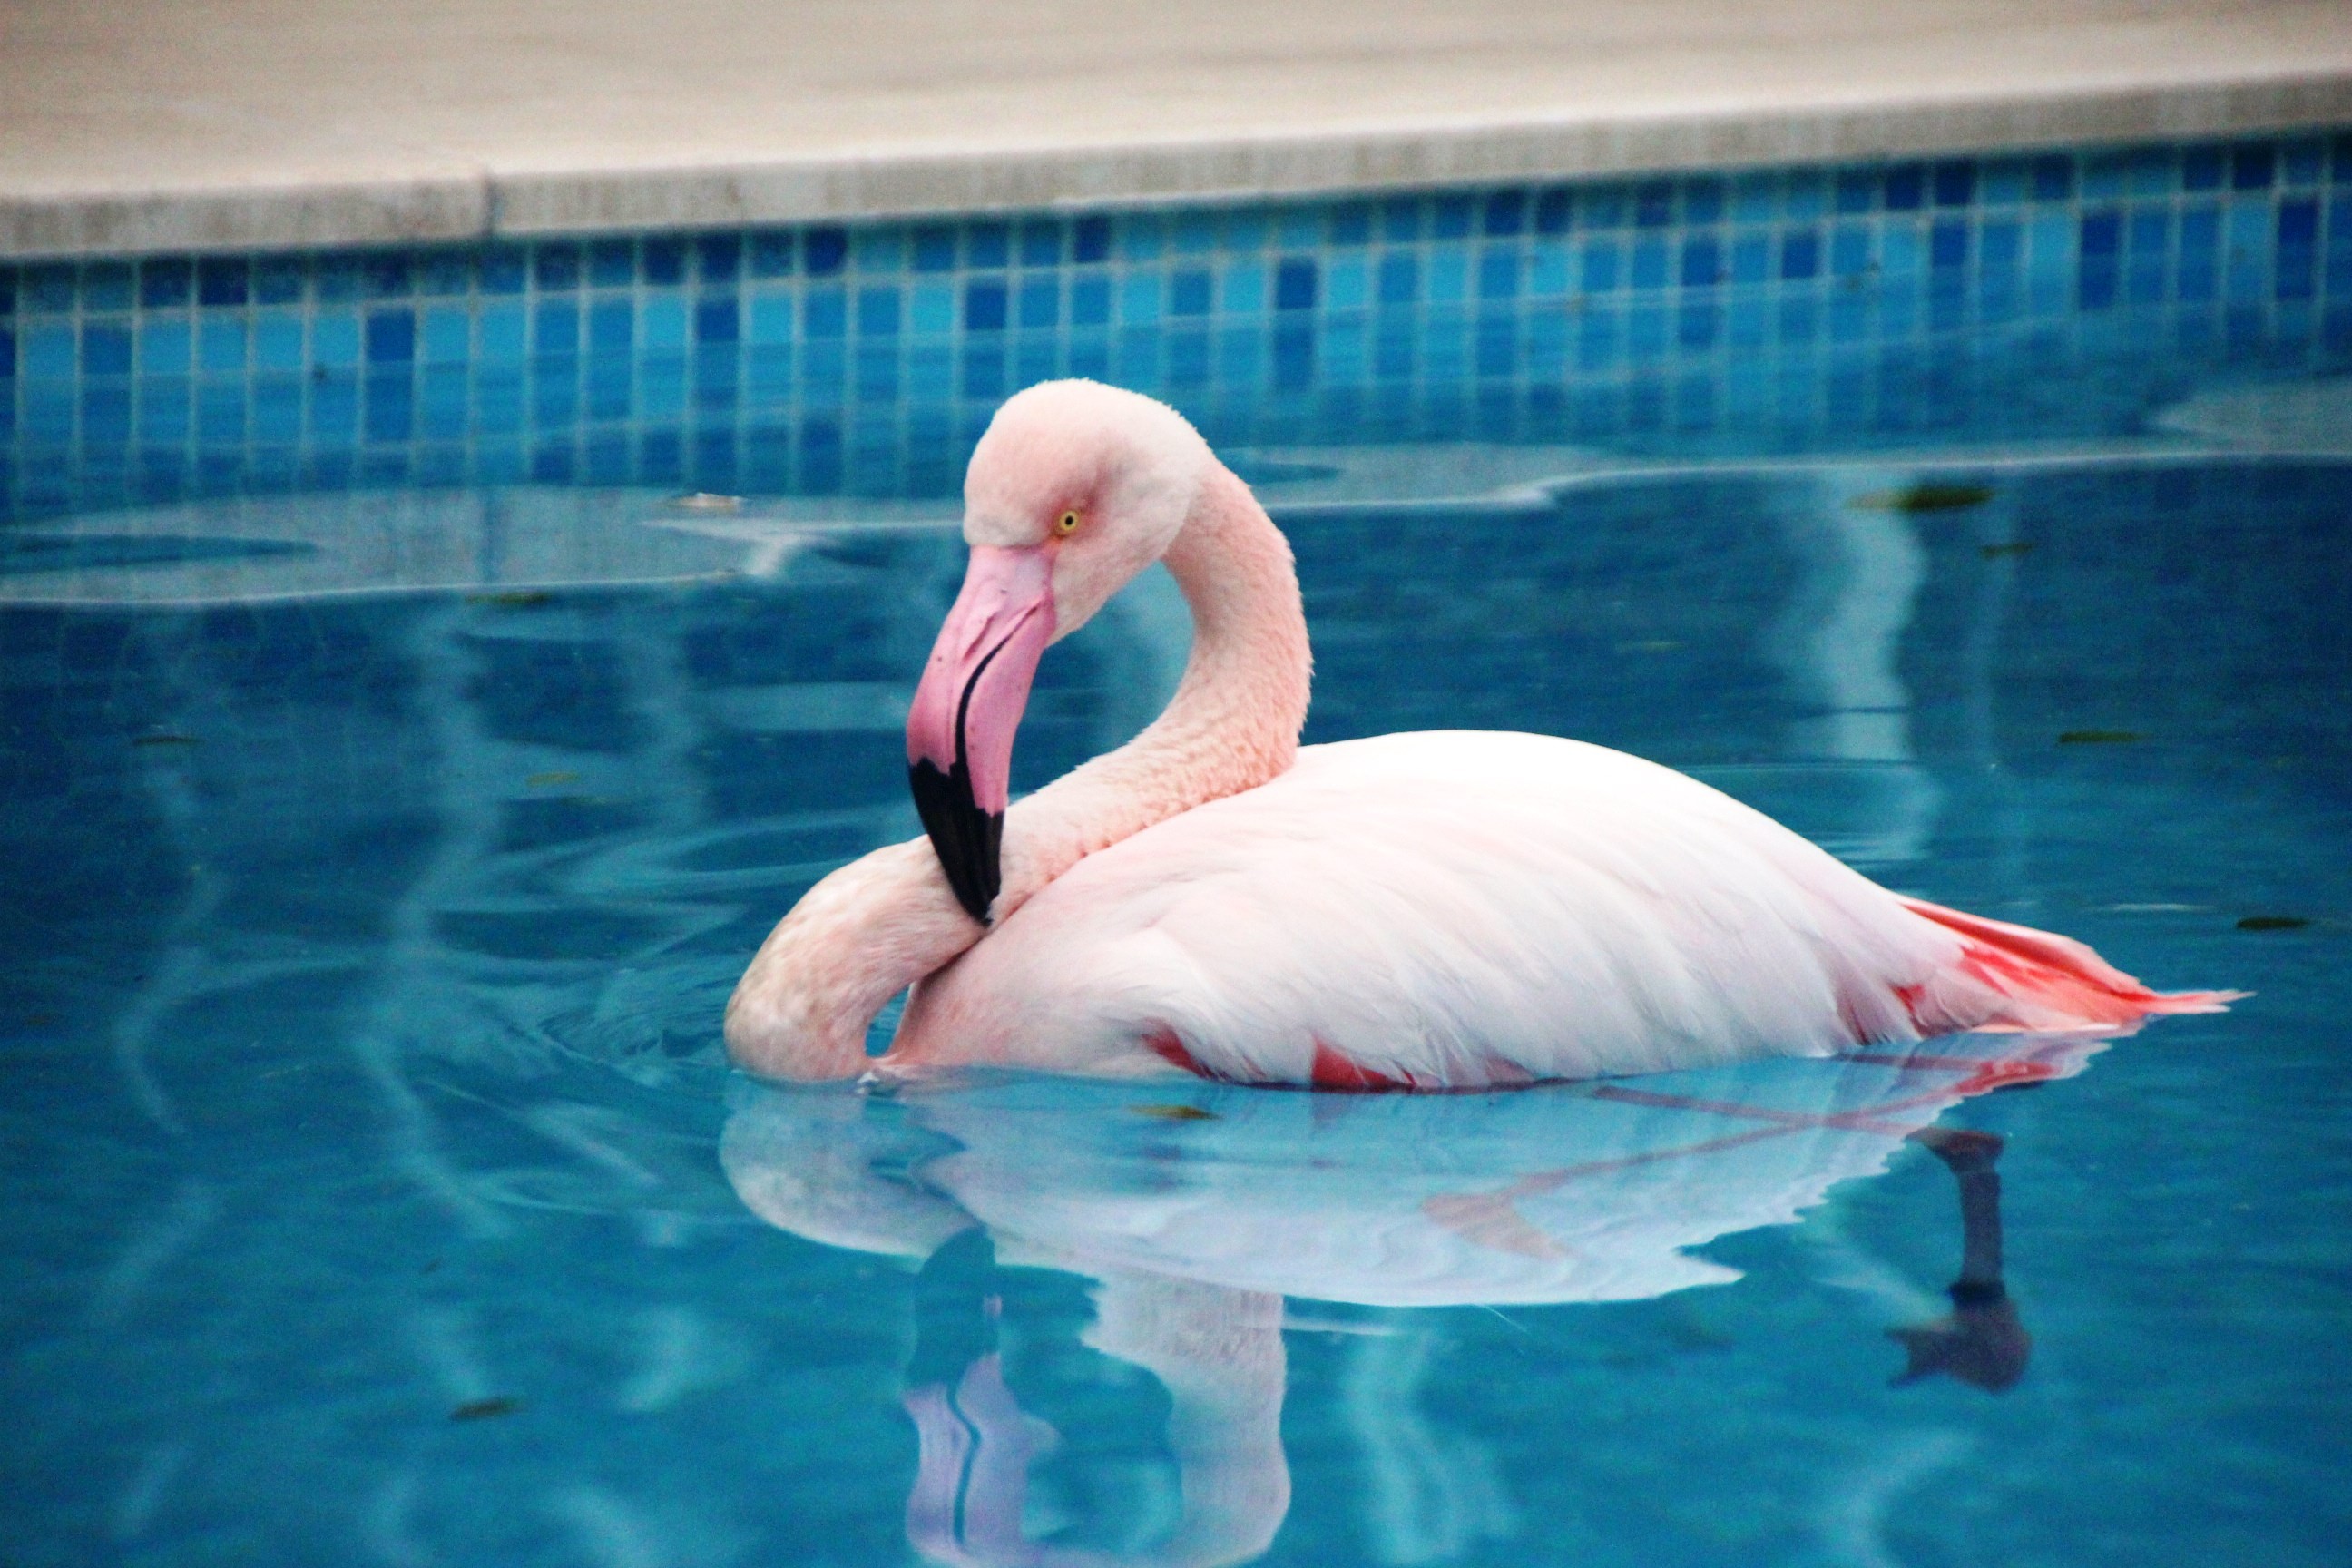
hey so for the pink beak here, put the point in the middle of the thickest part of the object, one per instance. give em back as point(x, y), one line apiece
point(960, 731)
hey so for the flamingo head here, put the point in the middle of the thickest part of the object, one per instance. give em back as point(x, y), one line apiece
point(1075, 488)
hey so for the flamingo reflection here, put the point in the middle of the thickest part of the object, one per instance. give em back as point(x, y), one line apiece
point(1197, 1218)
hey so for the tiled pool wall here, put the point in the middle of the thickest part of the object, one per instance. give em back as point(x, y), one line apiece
point(1999, 296)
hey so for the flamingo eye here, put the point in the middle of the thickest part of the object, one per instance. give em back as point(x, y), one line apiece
point(1067, 524)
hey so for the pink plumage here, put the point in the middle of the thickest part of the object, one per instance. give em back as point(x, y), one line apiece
point(1448, 910)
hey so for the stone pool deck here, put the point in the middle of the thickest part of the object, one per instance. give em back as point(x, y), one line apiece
point(143, 125)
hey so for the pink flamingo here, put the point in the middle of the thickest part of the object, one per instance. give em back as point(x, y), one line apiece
point(1448, 910)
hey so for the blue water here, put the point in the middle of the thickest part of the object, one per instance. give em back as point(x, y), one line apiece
point(378, 1191)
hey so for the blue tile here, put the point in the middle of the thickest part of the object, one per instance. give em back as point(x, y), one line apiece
point(445, 274)
point(1245, 229)
point(498, 270)
point(1947, 244)
point(823, 251)
point(106, 348)
point(1189, 293)
point(166, 346)
point(1450, 216)
point(1849, 250)
point(2102, 233)
point(985, 306)
point(1653, 205)
point(1447, 278)
point(1855, 191)
point(1752, 258)
point(1907, 187)
point(1555, 212)
point(1603, 207)
point(2298, 223)
point(1703, 196)
point(1649, 263)
point(7, 356)
point(1090, 239)
point(877, 249)
point(108, 286)
point(1090, 301)
point(661, 263)
point(220, 346)
point(824, 313)
point(718, 257)
point(1506, 214)
point(1041, 242)
point(390, 336)
point(499, 334)
point(164, 281)
point(1955, 183)
point(335, 339)
point(612, 326)
point(555, 266)
point(2201, 231)
point(1400, 279)
point(2253, 166)
point(1702, 262)
point(48, 289)
point(384, 275)
point(1801, 254)
point(2054, 177)
point(446, 336)
point(612, 263)
point(934, 248)
point(769, 253)
point(554, 330)
point(1351, 224)
point(716, 318)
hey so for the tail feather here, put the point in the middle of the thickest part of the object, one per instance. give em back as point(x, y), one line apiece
point(2014, 977)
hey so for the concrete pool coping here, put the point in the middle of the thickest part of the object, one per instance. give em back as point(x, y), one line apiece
point(136, 126)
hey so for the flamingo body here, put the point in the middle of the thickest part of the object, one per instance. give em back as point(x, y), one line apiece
point(1442, 910)
point(1466, 909)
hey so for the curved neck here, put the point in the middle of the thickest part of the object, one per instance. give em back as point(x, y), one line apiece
point(878, 925)
point(1233, 722)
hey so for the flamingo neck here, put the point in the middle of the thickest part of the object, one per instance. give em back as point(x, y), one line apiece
point(879, 924)
point(1233, 722)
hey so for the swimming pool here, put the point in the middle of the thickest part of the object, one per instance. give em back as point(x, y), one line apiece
point(393, 799)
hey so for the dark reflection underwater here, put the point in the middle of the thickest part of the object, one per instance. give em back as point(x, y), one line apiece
point(378, 1193)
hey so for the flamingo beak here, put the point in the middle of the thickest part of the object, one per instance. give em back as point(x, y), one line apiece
point(959, 730)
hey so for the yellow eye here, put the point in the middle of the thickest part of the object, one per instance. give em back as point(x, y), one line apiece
point(1068, 524)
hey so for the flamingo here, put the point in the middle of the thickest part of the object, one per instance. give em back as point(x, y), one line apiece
point(1439, 911)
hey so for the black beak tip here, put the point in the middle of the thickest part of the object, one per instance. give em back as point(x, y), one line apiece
point(967, 839)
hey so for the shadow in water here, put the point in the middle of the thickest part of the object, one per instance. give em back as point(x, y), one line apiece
point(1198, 1211)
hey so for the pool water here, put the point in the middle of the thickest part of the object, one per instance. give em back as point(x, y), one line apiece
point(379, 1192)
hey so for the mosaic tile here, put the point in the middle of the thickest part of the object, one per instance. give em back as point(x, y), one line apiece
point(1764, 309)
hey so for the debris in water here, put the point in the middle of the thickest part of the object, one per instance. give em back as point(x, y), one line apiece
point(1175, 1112)
point(166, 740)
point(2272, 922)
point(483, 1409)
point(1923, 498)
point(703, 500)
point(551, 780)
point(1996, 551)
point(2100, 737)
